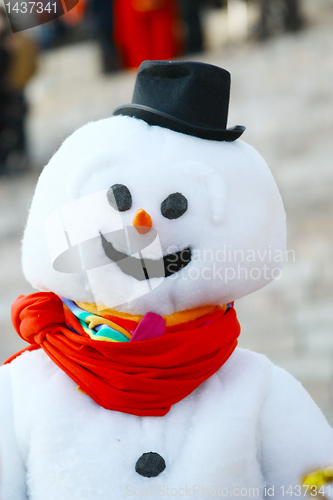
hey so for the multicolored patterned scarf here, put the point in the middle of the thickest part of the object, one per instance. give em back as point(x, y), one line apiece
point(106, 324)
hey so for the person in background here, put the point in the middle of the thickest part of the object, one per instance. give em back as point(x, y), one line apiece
point(17, 66)
point(4, 61)
point(147, 30)
point(277, 14)
point(191, 14)
point(104, 21)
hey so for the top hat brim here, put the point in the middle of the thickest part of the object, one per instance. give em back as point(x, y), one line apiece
point(161, 119)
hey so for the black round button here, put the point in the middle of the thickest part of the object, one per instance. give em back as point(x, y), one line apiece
point(150, 464)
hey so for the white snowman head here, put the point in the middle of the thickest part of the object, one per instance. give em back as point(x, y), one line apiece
point(158, 208)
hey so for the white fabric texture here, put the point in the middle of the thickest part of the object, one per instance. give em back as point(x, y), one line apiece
point(250, 425)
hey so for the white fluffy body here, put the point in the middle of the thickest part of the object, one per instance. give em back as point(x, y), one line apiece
point(250, 429)
point(250, 425)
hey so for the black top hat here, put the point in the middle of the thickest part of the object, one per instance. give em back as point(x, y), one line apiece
point(187, 97)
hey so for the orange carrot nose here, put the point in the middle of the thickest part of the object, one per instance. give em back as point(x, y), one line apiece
point(142, 221)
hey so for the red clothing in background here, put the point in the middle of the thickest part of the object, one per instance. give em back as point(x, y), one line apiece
point(146, 30)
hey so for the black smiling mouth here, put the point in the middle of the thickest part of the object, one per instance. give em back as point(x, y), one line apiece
point(144, 269)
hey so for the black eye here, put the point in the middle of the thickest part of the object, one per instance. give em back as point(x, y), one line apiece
point(119, 197)
point(174, 206)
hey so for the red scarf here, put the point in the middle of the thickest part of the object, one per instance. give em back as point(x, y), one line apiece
point(142, 378)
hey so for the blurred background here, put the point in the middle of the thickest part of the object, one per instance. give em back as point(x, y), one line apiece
point(77, 68)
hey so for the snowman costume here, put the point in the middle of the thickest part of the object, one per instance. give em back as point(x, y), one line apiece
point(163, 216)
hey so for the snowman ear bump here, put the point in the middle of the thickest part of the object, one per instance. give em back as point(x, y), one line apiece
point(119, 197)
point(174, 206)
